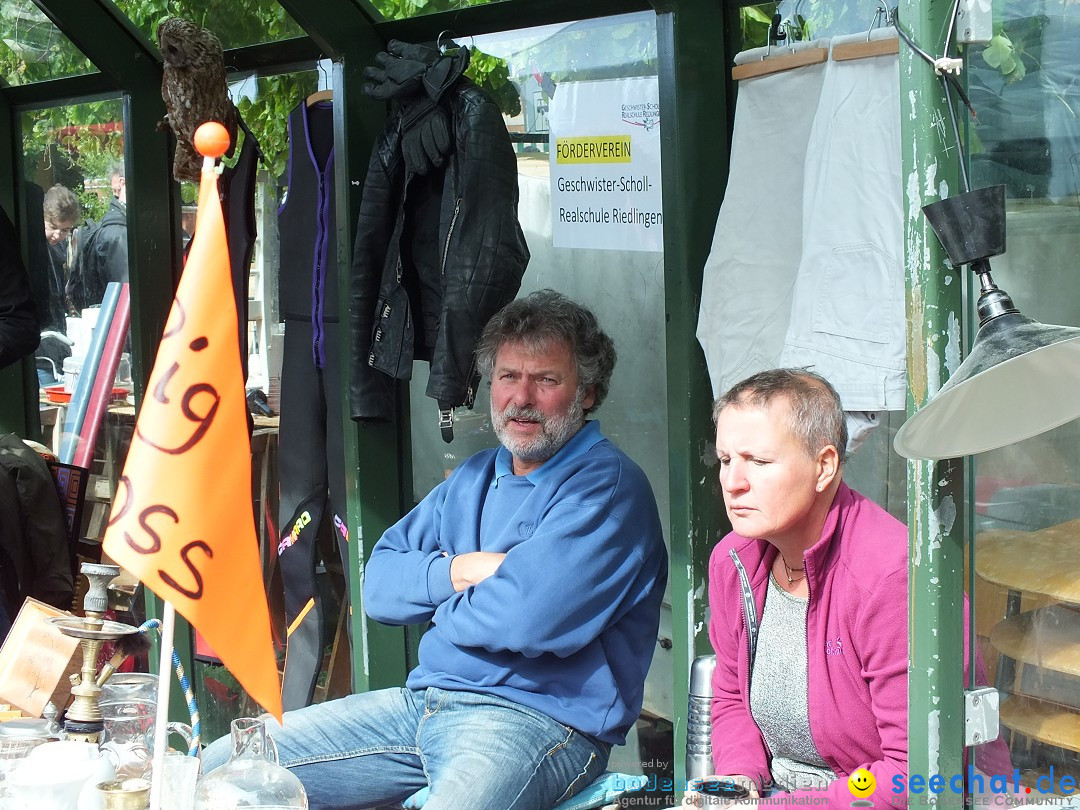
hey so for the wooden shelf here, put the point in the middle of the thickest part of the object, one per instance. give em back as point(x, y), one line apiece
point(1041, 721)
point(1045, 562)
point(1048, 637)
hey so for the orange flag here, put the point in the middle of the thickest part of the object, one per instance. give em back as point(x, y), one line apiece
point(182, 520)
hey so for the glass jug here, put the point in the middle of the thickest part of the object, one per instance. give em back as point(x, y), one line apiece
point(128, 738)
point(128, 710)
point(252, 777)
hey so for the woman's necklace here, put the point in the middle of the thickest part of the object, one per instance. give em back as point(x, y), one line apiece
point(789, 571)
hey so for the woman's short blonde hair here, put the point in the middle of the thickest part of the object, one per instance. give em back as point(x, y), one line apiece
point(815, 414)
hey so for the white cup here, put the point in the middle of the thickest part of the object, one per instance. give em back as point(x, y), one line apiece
point(179, 773)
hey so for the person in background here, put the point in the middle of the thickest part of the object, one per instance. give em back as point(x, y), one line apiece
point(809, 606)
point(60, 213)
point(102, 249)
point(541, 567)
point(19, 330)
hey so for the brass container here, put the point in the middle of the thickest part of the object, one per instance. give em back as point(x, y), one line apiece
point(126, 794)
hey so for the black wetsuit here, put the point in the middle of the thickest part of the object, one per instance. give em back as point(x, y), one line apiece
point(310, 459)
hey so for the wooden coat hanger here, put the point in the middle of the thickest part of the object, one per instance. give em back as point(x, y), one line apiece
point(786, 60)
point(862, 50)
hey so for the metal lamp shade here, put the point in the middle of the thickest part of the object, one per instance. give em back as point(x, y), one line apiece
point(1020, 379)
point(971, 226)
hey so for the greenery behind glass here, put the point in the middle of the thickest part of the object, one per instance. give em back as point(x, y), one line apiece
point(34, 49)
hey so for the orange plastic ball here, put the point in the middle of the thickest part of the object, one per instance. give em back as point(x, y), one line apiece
point(212, 139)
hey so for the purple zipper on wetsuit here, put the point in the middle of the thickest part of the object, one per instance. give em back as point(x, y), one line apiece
point(322, 237)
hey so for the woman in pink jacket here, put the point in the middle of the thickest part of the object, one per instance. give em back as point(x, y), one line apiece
point(808, 596)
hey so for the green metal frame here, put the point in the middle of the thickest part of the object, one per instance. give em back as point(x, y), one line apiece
point(505, 15)
point(9, 149)
point(936, 498)
point(18, 409)
point(298, 53)
point(69, 90)
point(693, 101)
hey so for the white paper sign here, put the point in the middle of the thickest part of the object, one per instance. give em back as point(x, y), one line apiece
point(605, 165)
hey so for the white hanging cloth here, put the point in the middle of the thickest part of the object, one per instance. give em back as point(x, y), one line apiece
point(847, 313)
point(748, 278)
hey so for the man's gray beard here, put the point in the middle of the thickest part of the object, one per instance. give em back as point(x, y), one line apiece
point(555, 431)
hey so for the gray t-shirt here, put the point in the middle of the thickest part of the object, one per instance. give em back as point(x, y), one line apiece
point(778, 693)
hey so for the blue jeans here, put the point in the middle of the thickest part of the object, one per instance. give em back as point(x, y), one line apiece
point(476, 751)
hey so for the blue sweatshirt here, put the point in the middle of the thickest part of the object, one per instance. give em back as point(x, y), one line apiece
point(568, 623)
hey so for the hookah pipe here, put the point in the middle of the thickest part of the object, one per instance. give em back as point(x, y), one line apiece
point(84, 721)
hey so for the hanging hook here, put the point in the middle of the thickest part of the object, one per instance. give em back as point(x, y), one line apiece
point(883, 16)
point(775, 34)
point(793, 23)
point(445, 41)
point(784, 30)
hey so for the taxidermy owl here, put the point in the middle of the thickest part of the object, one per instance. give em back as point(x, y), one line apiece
point(194, 90)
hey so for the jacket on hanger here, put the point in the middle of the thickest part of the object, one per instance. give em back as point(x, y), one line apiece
point(435, 257)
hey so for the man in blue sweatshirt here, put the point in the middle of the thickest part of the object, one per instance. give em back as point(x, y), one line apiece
point(540, 565)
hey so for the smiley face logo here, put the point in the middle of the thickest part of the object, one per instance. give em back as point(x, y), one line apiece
point(862, 784)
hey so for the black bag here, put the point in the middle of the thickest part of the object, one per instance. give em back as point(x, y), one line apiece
point(82, 262)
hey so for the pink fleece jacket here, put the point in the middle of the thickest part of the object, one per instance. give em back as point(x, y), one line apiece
point(857, 640)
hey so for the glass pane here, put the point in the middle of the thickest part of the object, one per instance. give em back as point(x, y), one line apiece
point(76, 147)
point(822, 20)
point(399, 9)
point(535, 61)
point(74, 223)
point(528, 65)
point(69, 157)
point(754, 25)
point(33, 48)
point(235, 24)
point(528, 71)
point(1024, 85)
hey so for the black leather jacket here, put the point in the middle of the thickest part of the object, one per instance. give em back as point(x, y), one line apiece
point(18, 315)
point(435, 257)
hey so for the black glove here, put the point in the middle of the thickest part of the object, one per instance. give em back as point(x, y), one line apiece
point(425, 135)
point(400, 71)
point(418, 77)
point(404, 68)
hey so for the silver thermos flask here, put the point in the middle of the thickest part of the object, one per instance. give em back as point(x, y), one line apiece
point(698, 725)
